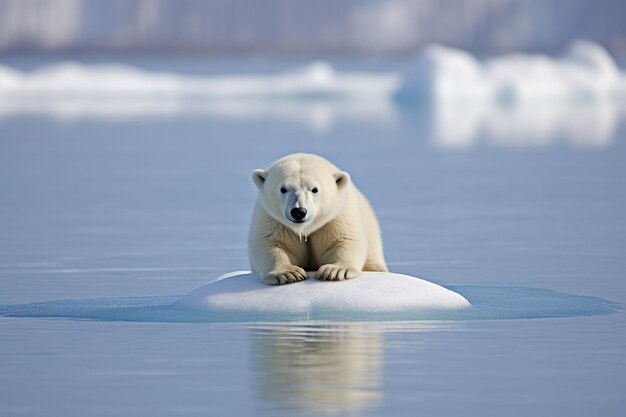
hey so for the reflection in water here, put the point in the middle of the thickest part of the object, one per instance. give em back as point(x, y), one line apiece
point(324, 369)
point(448, 125)
point(315, 114)
point(591, 124)
point(320, 369)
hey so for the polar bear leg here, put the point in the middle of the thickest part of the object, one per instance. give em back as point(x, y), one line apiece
point(276, 268)
point(375, 261)
point(340, 247)
point(275, 252)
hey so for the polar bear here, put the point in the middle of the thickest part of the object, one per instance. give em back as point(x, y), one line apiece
point(310, 216)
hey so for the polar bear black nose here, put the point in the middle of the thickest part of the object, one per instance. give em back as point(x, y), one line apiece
point(298, 213)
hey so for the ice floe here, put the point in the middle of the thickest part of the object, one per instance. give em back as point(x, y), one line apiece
point(372, 292)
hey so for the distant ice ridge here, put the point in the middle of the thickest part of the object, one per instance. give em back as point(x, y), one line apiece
point(585, 71)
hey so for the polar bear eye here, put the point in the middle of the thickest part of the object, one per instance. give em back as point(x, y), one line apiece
point(283, 190)
point(314, 190)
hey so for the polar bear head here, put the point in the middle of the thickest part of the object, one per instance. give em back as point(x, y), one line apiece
point(302, 191)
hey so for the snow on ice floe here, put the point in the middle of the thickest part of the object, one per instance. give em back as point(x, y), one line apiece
point(585, 71)
point(372, 292)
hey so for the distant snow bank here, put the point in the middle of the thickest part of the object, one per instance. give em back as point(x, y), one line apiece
point(438, 74)
point(372, 292)
point(317, 79)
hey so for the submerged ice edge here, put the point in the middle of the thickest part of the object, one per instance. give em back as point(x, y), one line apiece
point(585, 71)
point(488, 303)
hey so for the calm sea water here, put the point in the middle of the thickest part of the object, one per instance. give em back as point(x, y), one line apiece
point(142, 198)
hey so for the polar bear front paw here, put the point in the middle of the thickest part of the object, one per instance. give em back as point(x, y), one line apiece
point(285, 275)
point(334, 272)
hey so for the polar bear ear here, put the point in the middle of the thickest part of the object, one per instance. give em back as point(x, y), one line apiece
point(342, 179)
point(259, 176)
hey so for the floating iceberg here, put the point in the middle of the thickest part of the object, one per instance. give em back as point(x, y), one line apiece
point(371, 293)
point(585, 71)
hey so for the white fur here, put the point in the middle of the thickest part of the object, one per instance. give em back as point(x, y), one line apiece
point(339, 237)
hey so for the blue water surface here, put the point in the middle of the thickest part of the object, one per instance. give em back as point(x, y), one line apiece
point(118, 208)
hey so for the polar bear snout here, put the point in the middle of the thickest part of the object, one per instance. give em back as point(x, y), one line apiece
point(298, 214)
point(295, 204)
